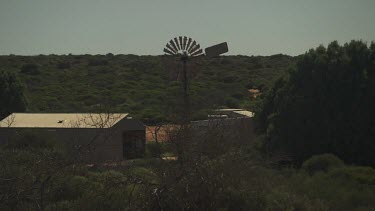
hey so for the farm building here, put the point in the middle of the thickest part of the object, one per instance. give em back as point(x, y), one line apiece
point(235, 124)
point(231, 113)
point(239, 123)
point(91, 137)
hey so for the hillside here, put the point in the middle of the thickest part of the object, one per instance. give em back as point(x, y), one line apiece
point(141, 85)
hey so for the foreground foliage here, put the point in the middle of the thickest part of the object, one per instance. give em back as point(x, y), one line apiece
point(232, 177)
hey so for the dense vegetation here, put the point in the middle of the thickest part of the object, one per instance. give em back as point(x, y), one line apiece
point(145, 86)
point(325, 105)
point(39, 176)
point(11, 94)
point(319, 115)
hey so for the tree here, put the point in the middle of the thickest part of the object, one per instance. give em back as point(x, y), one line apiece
point(324, 105)
point(11, 95)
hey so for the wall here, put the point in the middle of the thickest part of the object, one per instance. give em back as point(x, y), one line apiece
point(87, 144)
point(240, 129)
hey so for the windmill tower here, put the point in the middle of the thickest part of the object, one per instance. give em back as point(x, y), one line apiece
point(187, 49)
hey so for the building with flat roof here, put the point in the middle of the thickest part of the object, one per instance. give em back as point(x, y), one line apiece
point(234, 112)
point(93, 136)
point(235, 124)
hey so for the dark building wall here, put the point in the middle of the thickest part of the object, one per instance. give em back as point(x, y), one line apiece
point(240, 129)
point(133, 138)
point(133, 144)
point(91, 144)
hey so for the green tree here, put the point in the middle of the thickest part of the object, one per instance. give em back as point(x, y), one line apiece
point(11, 94)
point(325, 105)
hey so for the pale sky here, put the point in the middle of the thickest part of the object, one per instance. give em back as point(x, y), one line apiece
point(251, 27)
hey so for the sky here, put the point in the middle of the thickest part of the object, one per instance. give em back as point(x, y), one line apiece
point(143, 27)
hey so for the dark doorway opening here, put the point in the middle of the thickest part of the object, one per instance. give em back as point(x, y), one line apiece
point(131, 144)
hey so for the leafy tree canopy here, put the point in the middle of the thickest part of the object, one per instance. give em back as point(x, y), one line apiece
point(11, 94)
point(325, 105)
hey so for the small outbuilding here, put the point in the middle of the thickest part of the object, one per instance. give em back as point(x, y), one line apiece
point(94, 137)
point(235, 124)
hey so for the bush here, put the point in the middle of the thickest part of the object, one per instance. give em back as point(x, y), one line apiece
point(283, 200)
point(153, 149)
point(70, 188)
point(96, 62)
point(346, 188)
point(63, 65)
point(324, 162)
point(230, 79)
point(360, 174)
point(231, 103)
point(32, 69)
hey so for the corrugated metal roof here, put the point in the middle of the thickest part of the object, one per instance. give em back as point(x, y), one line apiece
point(62, 120)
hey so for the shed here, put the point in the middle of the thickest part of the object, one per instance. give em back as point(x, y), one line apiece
point(92, 136)
point(234, 123)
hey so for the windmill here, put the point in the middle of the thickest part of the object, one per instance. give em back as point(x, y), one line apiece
point(187, 48)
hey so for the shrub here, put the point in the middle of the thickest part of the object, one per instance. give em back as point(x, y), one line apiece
point(360, 174)
point(70, 188)
point(283, 200)
point(231, 103)
point(346, 188)
point(32, 69)
point(230, 79)
point(153, 149)
point(324, 162)
point(97, 62)
point(63, 65)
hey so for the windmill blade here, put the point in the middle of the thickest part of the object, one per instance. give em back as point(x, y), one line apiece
point(195, 48)
point(216, 50)
point(180, 39)
point(168, 51)
point(188, 47)
point(176, 42)
point(197, 53)
point(188, 44)
point(192, 46)
point(184, 43)
point(173, 45)
point(171, 49)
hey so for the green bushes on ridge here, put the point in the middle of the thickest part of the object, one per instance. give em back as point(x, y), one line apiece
point(141, 85)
